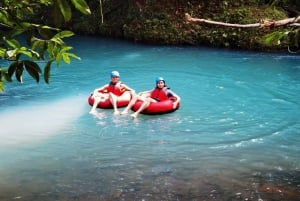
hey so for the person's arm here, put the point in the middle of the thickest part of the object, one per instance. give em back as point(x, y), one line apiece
point(104, 87)
point(126, 88)
point(145, 93)
point(176, 96)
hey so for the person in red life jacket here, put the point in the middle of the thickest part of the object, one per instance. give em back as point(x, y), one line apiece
point(115, 90)
point(160, 93)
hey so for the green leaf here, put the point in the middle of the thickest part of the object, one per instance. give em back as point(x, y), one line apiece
point(63, 34)
point(82, 6)
point(25, 52)
point(13, 43)
point(58, 41)
point(32, 65)
point(6, 77)
point(65, 9)
point(25, 25)
point(36, 43)
point(66, 48)
point(45, 33)
point(274, 38)
point(50, 49)
point(16, 32)
point(4, 17)
point(66, 58)
point(33, 69)
point(19, 29)
point(2, 52)
point(74, 56)
point(40, 46)
point(12, 68)
point(1, 86)
point(57, 15)
point(51, 28)
point(19, 72)
point(58, 58)
point(47, 71)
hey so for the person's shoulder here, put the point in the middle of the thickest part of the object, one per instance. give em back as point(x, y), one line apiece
point(123, 84)
point(169, 91)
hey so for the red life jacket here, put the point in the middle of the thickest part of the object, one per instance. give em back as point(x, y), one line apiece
point(115, 88)
point(159, 94)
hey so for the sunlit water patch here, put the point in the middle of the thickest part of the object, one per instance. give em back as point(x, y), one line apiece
point(28, 124)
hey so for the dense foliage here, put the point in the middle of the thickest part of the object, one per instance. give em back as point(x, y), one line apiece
point(162, 22)
point(38, 41)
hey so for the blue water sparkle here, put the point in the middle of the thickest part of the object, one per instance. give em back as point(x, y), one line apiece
point(236, 133)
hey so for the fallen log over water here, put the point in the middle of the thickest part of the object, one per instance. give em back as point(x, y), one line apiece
point(262, 24)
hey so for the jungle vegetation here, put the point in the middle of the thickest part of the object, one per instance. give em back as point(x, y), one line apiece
point(46, 23)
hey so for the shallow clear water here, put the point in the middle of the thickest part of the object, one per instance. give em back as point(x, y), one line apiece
point(235, 136)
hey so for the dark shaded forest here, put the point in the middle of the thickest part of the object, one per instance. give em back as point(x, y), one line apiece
point(162, 22)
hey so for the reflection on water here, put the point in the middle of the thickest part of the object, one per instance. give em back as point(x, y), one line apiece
point(235, 136)
point(35, 122)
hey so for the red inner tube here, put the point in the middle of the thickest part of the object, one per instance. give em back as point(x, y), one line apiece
point(106, 104)
point(157, 107)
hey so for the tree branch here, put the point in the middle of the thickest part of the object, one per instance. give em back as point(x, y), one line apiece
point(262, 24)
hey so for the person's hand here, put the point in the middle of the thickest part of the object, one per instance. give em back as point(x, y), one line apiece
point(175, 104)
point(94, 94)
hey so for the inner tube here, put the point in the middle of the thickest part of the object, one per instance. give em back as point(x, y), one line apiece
point(161, 107)
point(106, 104)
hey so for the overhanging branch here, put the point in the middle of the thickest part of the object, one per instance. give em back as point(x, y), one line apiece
point(262, 24)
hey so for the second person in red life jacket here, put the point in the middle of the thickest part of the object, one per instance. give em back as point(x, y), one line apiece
point(115, 90)
point(160, 93)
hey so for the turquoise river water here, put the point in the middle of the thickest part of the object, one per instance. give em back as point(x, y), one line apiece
point(236, 135)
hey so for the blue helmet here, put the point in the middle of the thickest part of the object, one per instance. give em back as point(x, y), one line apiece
point(114, 74)
point(158, 79)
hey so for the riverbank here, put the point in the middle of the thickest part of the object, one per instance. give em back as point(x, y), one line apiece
point(163, 23)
